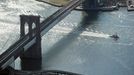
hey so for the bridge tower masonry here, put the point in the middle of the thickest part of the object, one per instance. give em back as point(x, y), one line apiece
point(31, 59)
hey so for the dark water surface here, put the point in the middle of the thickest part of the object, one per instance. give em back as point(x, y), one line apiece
point(81, 44)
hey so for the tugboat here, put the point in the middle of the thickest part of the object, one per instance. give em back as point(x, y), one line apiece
point(115, 36)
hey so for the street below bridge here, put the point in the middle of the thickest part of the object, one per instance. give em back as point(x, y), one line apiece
point(80, 43)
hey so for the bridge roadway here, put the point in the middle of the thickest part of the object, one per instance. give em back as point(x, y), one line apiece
point(15, 50)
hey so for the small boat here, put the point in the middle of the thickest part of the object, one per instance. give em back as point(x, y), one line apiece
point(115, 36)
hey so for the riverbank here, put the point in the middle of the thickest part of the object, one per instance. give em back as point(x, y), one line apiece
point(80, 8)
point(55, 2)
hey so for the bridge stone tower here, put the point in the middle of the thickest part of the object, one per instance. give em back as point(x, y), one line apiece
point(31, 59)
point(90, 4)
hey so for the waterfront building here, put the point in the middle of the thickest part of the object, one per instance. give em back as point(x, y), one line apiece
point(92, 3)
point(99, 3)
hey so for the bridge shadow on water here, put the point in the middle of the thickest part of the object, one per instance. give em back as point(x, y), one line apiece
point(58, 47)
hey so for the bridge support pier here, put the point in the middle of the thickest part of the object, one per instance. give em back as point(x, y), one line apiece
point(31, 59)
point(90, 4)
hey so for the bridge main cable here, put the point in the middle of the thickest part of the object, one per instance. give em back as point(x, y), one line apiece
point(16, 49)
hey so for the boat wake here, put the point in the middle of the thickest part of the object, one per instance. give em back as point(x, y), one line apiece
point(64, 30)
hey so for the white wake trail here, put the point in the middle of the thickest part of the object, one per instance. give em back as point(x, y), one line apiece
point(59, 29)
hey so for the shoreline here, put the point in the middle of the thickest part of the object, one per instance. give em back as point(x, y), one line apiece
point(110, 8)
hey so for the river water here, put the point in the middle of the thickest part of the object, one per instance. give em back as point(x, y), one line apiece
point(80, 43)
